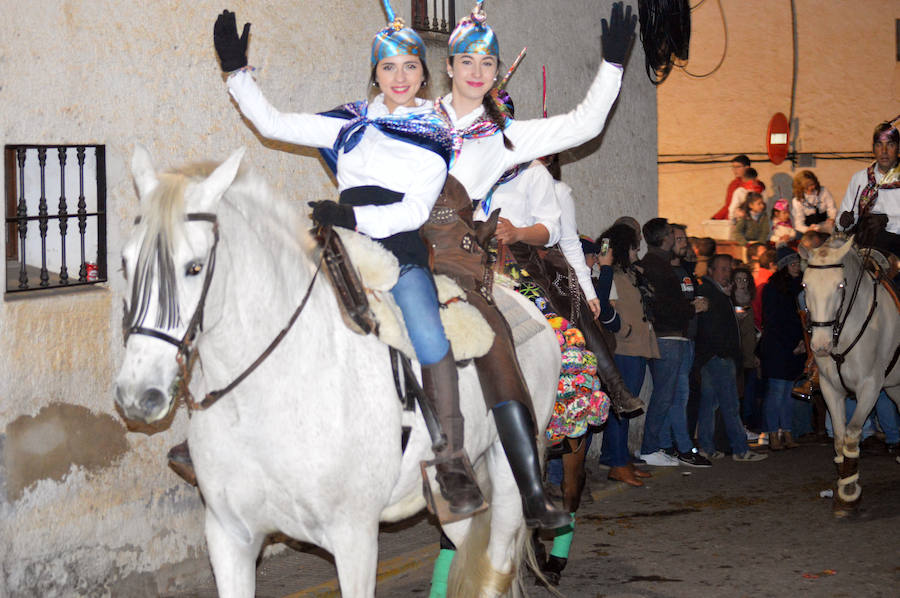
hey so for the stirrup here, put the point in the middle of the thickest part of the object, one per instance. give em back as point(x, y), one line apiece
point(435, 501)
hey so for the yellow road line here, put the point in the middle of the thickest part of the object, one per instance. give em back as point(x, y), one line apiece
point(386, 570)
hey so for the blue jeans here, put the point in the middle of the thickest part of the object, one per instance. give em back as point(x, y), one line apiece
point(885, 410)
point(670, 390)
point(675, 429)
point(779, 405)
point(718, 388)
point(614, 449)
point(416, 296)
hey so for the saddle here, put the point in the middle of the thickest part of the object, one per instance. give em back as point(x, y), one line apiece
point(362, 273)
point(885, 267)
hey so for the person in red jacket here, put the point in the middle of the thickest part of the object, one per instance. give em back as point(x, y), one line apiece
point(739, 165)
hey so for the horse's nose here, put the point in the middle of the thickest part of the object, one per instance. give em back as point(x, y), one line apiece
point(151, 402)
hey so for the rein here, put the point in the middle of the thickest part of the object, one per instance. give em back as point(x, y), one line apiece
point(187, 353)
point(837, 327)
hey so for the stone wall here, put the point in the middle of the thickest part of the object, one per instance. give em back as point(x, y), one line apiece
point(848, 80)
point(88, 507)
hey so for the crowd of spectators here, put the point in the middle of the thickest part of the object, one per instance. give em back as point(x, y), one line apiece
point(723, 342)
point(722, 337)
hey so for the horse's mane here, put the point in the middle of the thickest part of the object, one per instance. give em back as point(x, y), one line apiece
point(163, 215)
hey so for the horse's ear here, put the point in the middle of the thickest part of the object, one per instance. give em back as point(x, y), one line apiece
point(221, 178)
point(485, 230)
point(143, 171)
point(842, 251)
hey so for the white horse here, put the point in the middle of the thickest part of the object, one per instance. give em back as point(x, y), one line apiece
point(856, 343)
point(308, 444)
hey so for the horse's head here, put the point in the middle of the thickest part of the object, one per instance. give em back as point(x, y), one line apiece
point(825, 282)
point(168, 262)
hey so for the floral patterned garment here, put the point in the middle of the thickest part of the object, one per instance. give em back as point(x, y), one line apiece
point(579, 401)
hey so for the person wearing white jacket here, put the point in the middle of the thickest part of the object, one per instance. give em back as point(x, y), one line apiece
point(391, 156)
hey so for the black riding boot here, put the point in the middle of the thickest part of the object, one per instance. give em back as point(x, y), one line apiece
point(440, 383)
point(623, 403)
point(516, 431)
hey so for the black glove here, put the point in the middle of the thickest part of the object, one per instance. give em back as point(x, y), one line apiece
point(617, 35)
point(329, 212)
point(232, 50)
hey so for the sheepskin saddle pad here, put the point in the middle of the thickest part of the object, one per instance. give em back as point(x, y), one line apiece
point(469, 334)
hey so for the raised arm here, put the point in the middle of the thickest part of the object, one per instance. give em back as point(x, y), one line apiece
point(301, 129)
point(541, 137)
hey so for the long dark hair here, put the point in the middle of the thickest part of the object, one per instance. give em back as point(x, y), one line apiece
point(492, 111)
point(784, 283)
point(622, 239)
point(751, 286)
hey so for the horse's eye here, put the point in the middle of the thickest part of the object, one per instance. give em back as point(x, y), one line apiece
point(193, 269)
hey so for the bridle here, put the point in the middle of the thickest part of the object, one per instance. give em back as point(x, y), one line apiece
point(184, 345)
point(186, 351)
point(837, 324)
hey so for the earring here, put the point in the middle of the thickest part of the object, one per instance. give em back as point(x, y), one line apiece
point(424, 83)
point(449, 74)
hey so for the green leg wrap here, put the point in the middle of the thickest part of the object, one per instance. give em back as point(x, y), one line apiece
point(441, 573)
point(563, 540)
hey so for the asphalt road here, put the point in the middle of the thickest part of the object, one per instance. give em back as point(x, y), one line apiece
point(733, 530)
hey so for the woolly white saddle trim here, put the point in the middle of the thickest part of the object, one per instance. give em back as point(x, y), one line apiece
point(469, 334)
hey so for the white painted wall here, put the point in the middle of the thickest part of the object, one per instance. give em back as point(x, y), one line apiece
point(117, 73)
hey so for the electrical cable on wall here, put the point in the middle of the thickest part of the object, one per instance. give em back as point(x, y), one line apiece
point(724, 48)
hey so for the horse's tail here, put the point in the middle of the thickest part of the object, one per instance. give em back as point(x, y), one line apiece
point(472, 573)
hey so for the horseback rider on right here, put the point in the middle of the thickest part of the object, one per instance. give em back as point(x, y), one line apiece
point(871, 206)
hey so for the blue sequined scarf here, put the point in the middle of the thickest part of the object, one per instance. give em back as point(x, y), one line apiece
point(424, 129)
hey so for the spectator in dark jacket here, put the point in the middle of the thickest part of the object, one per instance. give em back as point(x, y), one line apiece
point(781, 347)
point(718, 357)
point(672, 314)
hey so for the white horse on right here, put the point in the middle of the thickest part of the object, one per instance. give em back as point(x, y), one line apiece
point(856, 343)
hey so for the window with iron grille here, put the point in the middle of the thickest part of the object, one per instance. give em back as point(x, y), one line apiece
point(434, 16)
point(55, 216)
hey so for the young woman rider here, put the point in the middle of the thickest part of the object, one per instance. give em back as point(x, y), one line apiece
point(487, 144)
point(391, 159)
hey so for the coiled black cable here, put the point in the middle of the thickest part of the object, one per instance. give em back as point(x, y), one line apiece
point(665, 35)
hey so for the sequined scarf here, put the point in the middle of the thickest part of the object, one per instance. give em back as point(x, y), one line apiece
point(424, 129)
point(482, 127)
point(870, 194)
point(505, 178)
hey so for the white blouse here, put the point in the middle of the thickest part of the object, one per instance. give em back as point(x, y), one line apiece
point(377, 160)
point(810, 204)
point(483, 161)
point(527, 200)
point(570, 243)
